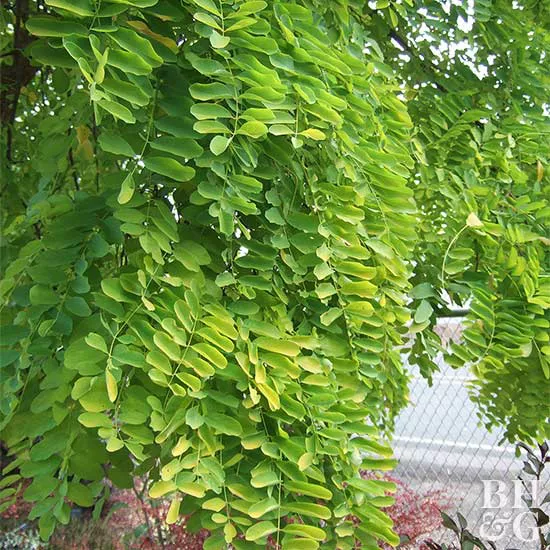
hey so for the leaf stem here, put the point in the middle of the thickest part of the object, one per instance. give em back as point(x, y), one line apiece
point(451, 244)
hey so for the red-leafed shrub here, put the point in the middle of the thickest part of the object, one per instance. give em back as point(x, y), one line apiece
point(414, 514)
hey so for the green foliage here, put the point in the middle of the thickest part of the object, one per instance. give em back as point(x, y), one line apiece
point(206, 231)
point(482, 144)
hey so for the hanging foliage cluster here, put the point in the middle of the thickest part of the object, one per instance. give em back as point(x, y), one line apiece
point(206, 226)
point(211, 214)
point(477, 90)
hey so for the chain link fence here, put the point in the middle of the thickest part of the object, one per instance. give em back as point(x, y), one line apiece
point(442, 446)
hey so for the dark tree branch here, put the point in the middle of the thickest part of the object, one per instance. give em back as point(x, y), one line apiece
point(70, 157)
point(429, 68)
point(73, 169)
point(8, 53)
point(17, 75)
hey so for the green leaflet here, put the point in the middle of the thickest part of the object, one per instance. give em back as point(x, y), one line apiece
point(260, 530)
point(219, 144)
point(78, 306)
point(217, 339)
point(307, 509)
point(115, 144)
point(263, 507)
point(128, 62)
point(173, 512)
point(211, 354)
point(46, 55)
point(309, 489)
point(167, 345)
point(205, 111)
point(186, 148)
point(170, 168)
point(127, 189)
point(423, 313)
point(42, 295)
point(133, 42)
point(328, 317)
point(279, 346)
point(224, 424)
point(308, 531)
point(159, 361)
point(300, 544)
point(253, 128)
point(92, 420)
point(160, 488)
point(126, 90)
point(50, 26)
point(209, 92)
point(8, 357)
point(79, 7)
point(208, 5)
point(117, 110)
